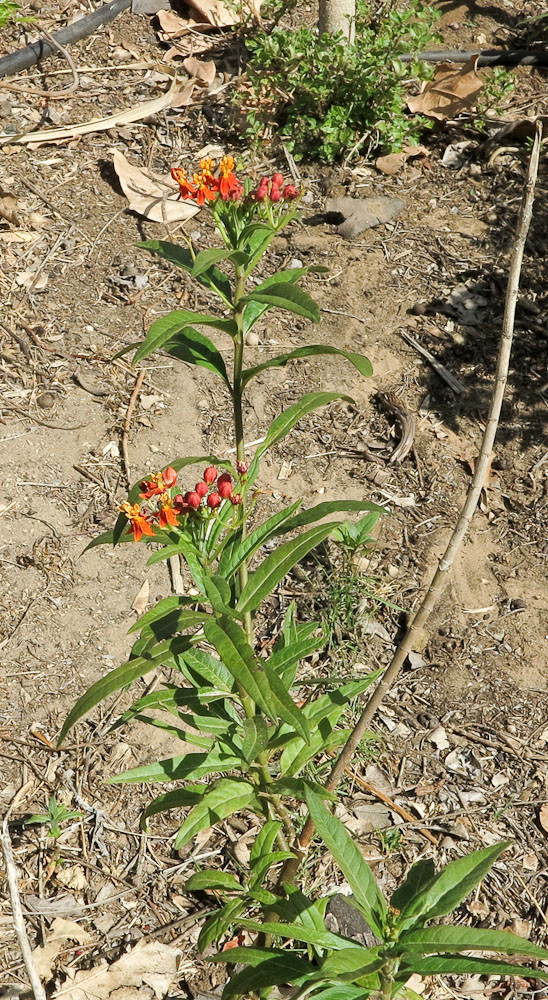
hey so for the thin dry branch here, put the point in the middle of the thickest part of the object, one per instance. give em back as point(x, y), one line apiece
point(17, 913)
point(127, 424)
point(446, 562)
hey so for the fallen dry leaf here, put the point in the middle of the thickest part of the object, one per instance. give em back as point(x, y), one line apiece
point(216, 12)
point(174, 26)
point(392, 163)
point(152, 964)
point(543, 817)
point(205, 72)
point(61, 930)
point(25, 279)
point(360, 214)
point(449, 92)
point(141, 599)
point(146, 193)
point(136, 114)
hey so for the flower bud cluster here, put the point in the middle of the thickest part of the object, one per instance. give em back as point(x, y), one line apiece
point(208, 494)
point(274, 189)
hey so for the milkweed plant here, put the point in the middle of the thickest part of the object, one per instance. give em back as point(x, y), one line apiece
point(255, 745)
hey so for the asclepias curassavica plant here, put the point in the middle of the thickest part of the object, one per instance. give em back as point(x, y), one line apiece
point(255, 747)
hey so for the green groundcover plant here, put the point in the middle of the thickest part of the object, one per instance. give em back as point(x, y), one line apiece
point(325, 98)
point(255, 747)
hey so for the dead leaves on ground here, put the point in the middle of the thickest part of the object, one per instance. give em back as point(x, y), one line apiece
point(153, 197)
point(449, 92)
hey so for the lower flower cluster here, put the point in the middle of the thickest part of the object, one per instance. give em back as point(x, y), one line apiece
point(205, 186)
point(164, 508)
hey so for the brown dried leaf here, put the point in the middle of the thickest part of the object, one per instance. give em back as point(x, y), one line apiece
point(152, 964)
point(61, 930)
point(205, 72)
point(146, 193)
point(393, 162)
point(449, 92)
point(174, 26)
point(141, 598)
point(184, 97)
point(543, 817)
point(216, 13)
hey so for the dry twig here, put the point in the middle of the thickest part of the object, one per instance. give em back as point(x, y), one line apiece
point(127, 423)
point(446, 562)
point(17, 913)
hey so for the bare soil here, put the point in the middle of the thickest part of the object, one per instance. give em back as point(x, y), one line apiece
point(481, 673)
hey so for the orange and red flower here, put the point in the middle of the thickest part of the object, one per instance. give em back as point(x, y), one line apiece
point(138, 520)
point(168, 512)
point(229, 185)
point(158, 483)
point(186, 189)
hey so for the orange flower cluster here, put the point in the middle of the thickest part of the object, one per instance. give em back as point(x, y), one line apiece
point(208, 494)
point(205, 186)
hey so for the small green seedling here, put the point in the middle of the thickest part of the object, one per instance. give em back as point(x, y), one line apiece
point(56, 815)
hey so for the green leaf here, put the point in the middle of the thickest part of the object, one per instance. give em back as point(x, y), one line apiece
point(313, 514)
point(419, 876)
point(213, 879)
point(217, 599)
point(188, 766)
point(217, 925)
point(264, 840)
point(272, 967)
point(450, 886)
point(299, 787)
point(179, 798)
point(255, 738)
point(341, 992)
point(181, 321)
point(205, 669)
point(467, 965)
point(163, 608)
point(297, 754)
point(357, 872)
point(192, 347)
point(263, 865)
point(458, 938)
point(229, 640)
point(176, 621)
point(286, 296)
point(162, 654)
point(281, 426)
point(222, 798)
point(262, 582)
point(351, 963)
point(297, 932)
point(181, 257)
point(206, 258)
point(285, 661)
point(234, 555)
point(359, 361)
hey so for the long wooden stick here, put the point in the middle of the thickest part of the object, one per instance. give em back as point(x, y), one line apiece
point(446, 562)
point(17, 913)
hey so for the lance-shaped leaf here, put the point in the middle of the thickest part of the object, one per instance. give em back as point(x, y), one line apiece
point(321, 510)
point(217, 925)
point(192, 347)
point(357, 872)
point(179, 798)
point(212, 278)
point(204, 260)
point(167, 327)
point(298, 932)
point(264, 841)
point(234, 555)
point(165, 607)
point(419, 876)
point(458, 938)
point(187, 767)
point(268, 967)
point(465, 965)
point(286, 660)
point(255, 737)
point(216, 592)
point(286, 420)
point(203, 669)
point(229, 640)
point(162, 654)
point(450, 886)
point(213, 879)
point(261, 583)
point(350, 964)
point(287, 296)
point(263, 865)
point(222, 798)
point(359, 361)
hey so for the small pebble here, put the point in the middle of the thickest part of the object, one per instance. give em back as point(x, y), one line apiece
point(46, 400)
point(419, 309)
point(516, 604)
point(252, 338)
point(475, 169)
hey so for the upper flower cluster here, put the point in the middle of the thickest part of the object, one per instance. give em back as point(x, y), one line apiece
point(205, 186)
point(209, 494)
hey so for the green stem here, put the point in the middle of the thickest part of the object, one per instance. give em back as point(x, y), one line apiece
point(239, 306)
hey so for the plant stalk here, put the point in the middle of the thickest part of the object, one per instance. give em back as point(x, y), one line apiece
point(446, 562)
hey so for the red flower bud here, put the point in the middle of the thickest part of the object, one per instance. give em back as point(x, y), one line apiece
point(225, 489)
point(236, 498)
point(290, 192)
point(193, 500)
point(179, 503)
point(275, 193)
point(210, 474)
point(201, 489)
point(169, 476)
point(242, 467)
point(278, 179)
point(213, 500)
point(225, 478)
